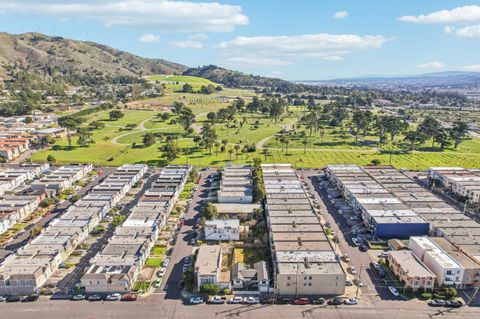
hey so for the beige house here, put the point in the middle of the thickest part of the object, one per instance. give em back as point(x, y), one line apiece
point(411, 271)
point(208, 265)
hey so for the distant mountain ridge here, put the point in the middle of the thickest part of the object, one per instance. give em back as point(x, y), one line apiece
point(74, 60)
point(446, 78)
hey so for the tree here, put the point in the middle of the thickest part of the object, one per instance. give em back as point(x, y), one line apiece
point(265, 152)
point(96, 125)
point(429, 128)
point(177, 107)
point(305, 143)
point(165, 116)
point(211, 116)
point(209, 136)
point(51, 159)
point(70, 124)
point(115, 115)
point(394, 125)
point(171, 150)
point(237, 148)
point(230, 152)
point(187, 88)
point(186, 118)
point(209, 289)
point(210, 211)
point(414, 138)
point(148, 139)
point(458, 133)
point(84, 137)
point(375, 162)
point(442, 138)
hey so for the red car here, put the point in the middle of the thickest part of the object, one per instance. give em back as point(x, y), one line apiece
point(302, 301)
point(129, 298)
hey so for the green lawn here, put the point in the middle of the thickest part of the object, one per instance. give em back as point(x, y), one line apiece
point(153, 262)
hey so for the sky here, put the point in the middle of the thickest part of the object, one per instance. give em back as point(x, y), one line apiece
point(289, 39)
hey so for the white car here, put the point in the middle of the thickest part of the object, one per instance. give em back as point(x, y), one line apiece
point(78, 297)
point(196, 300)
point(376, 265)
point(350, 301)
point(216, 300)
point(161, 272)
point(352, 270)
point(165, 262)
point(113, 297)
point(2, 298)
point(235, 299)
point(394, 291)
point(348, 282)
point(250, 300)
point(356, 242)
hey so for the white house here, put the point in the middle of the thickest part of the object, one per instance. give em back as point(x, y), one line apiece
point(222, 229)
point(449, 272)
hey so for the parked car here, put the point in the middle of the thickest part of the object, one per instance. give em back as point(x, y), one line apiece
point(356, 241)
point(196, 300)
point(376, 265)
point(301, 301)
point(346, 258)
point(161, 272)
point(269, 300)
point(113, 297)
point(250, 300)
point(193, 241)
point(335, 301)
point(350, 301)
point(165, 262)
point(157, 283)
point(284, 301)
point(235, 299)
point(318, 301)
point(394, 291)
point(2, 298)
point(78, 297)
point(94, 298)
point(352, 270)
point(358, 282)
point(29, 298)
point(185, 267)
point(181, 284)
point(216, 300)
point(348, 282)
point(453, 304)
point(436, 303)
point(12, 299)
point(186, 260)
point(363, 248)
point(129, 297)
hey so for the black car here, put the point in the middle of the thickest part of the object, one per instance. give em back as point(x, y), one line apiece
point(319, 301)
point(13, 299)
point(269, 300)
point(284, 301)
point(436, 303)
point(453, 304)
point(29, 298)
point(181, 284)
point(335, 301)
point(363, 248)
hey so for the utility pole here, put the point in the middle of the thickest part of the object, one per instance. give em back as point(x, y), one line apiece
point(465, 206)
point(359, 280)
point(296, 282)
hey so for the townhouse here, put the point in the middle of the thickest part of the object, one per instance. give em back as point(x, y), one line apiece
point(462, 182)
point(117, 267)
point(413, 273)
point(29, 269)
point(222, 229)
point(236, 185)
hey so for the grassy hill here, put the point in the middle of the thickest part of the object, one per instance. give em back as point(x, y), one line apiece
point(74, 61)
point(237, 79)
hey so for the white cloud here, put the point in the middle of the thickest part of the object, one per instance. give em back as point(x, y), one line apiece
point(252, 61)
point(149, 38)
point(469, 32)
point(430, 65)
point(340, 15)
point(186, 44)
point(473, 67)
point(469, 13)
point(286, 48)
point(198, 37)
point(158, 15)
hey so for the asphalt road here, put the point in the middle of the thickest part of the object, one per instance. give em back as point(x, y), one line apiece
point(182, 248)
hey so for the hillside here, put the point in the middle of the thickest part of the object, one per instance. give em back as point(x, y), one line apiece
point(75, 61)
point(237, 79)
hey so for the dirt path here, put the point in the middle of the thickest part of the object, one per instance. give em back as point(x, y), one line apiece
point(196, 127)
point(262, 142)
point(141, 128)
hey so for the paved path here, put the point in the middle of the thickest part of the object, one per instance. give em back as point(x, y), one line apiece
point(260, 143)
point(141, 128)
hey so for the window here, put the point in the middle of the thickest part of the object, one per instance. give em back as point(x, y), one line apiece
point(310, 284)
point(288, 278)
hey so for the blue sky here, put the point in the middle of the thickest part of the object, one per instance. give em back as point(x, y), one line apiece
point(291, 39)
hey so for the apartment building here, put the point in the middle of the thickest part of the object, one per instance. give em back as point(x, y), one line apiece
point(304, 261)
point(208, 265)
point(414, 275)
point(236, 185)
point(447, 270)
point(460, 181)
point(222, 229)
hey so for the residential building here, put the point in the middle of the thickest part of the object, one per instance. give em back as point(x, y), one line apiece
point(414, 275)
point(236, 185)
point(222, 229)
point(208, 265)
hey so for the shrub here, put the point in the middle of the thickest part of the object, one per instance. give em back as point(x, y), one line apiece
point(210, 289)
point(426, 295)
